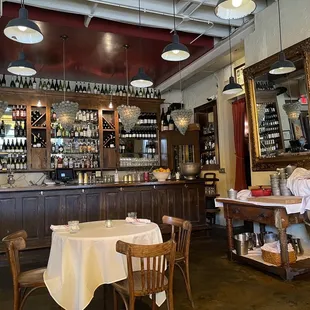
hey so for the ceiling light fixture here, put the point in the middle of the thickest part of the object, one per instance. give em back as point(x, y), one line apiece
point(22, 29)
point(141, 80)
point(128, 114)
point(22, 66)
point(182, 117)
point(234, 9)
point(175, 51)
point(282, 66)
point(232, 88)
point(65, 110)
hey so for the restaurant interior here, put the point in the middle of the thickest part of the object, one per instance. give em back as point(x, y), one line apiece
point(154, 154)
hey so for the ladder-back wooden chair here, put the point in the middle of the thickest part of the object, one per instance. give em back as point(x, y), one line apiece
point(24, 283)
point(151, 278)
point(181, 231)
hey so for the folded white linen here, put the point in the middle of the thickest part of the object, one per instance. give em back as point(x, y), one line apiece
point(132, 220)
point(59, 227)
point(274, 247)
point(299, 182)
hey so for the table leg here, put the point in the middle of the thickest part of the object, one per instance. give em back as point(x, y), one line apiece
point(262, 228)
point(230, 241)
point(283, 248)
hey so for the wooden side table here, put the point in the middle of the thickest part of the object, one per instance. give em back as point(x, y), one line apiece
point(265, 215)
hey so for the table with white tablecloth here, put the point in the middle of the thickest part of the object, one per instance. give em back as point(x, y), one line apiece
point(81, 262)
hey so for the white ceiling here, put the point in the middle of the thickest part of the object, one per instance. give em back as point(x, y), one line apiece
point(193, 16)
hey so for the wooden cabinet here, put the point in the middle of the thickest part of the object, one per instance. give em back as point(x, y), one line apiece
point(35, 211)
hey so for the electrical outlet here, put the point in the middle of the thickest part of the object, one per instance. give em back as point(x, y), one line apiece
point(222, 170)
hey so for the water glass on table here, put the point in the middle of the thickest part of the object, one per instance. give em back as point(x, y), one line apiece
point(132, 215)
point(73, 226)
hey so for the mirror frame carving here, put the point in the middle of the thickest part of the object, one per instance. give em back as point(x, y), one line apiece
point(293, 53)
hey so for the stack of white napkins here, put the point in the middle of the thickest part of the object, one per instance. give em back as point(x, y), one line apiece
point(59, 227)
point(132, 220)
point(274, 247)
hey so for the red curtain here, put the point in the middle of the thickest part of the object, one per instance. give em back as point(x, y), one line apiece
point(238, 108)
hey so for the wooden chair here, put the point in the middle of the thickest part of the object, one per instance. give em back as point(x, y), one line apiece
point(24, 283)
point(181, 231)
point(151, 278)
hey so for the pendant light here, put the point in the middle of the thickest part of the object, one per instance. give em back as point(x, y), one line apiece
point(234, 9)
point(182, 117)
point(22, 66)
point(128, 114)
point(175, 51)
point(141, 80)
point(22, 29)
point(232, 88)
point(65, 110)
point(282, 66)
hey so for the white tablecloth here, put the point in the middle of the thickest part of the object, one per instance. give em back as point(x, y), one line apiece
point(290, 208)
point(81, 262)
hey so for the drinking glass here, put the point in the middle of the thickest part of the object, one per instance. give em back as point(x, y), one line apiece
point(73, 226)
point(108, 223)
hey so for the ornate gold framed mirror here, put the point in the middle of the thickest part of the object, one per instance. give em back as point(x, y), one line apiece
point(278, 111)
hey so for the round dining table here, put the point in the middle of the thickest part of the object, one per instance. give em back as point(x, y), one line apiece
point(80, 262)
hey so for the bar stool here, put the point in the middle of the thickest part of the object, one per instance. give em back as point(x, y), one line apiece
point(210, 194)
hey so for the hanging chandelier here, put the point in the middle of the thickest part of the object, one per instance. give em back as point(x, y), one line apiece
point(3, 107)
point(128, 114)
point(65, 110)
point(292, 110)
point(22, 29)
point(234, 9)
point(182, 117)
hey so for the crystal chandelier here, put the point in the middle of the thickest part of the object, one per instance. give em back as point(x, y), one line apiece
point(65, 110)
point(129, 114)
point(292, 110)
point(3, 106)
point(260, 112)
point(182, 118)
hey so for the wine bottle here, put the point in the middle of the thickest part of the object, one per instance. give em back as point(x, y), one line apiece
point(171, 124)
point(88, 88)
point(12, 84)
point(21, 83)
point(76, 88)
point(3, 81)
point(30, 85)
point(26, 83)
point(52, 85)
point(166, 124)
point(162, 118)
point(48, 85)
point(40, 84)
point(68, 89)
point(34, 84)
point(102, 90)
point(80, 88)
point(148, 95)
point(84, 88)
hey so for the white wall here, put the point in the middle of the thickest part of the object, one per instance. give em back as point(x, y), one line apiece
point(264, 41)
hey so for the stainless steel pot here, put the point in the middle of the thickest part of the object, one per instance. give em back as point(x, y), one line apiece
point(190, 170)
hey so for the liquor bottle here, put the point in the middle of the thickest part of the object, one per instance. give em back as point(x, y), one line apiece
point(2, 129)
point(68, 89)
point(88, 88)
point(12, 84)
point(3, 81)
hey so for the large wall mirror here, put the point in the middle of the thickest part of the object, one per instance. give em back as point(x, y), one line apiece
point(279, 111)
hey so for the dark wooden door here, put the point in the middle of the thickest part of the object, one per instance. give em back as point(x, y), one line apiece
point(160, 203)
point(146, 207)
point(131, 201)
point(93, 205)
point(73, 205)
point(174, 202)
point(112, 208)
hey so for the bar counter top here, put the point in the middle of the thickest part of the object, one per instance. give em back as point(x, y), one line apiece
point(97, 185)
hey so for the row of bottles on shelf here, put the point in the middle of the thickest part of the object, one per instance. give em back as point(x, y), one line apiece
point(147, 119)
point(109, 141)
point(13, 163)
point(269, 149)
point(139, 134)
point(86, 162)
point(270, 129)
point(166, 121)
point(89, 131)
point(38, 141)
point(13, 145)
point(265, 85)
point(208, 130)
point(269, 123)
point(270, 109)
point(150, 148)
point(35, 116)
point(107, 124)
point(19, 129)
point(208, 158)
point(19, 112)
point(76, 147)
point(209, 144)
point(270, 135)
point(80, 87)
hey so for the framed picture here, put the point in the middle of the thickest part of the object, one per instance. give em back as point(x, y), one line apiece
point(297, 130)
point(239, 74)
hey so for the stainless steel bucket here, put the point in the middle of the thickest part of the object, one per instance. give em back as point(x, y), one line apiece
point(241, 242)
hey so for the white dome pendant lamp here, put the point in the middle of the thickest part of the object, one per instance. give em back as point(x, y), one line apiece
point(232, 88)
point(282, 66)
point(175, 51)
point(22, 66)
point(22, 29)
point(141, 80)
point(234, 9)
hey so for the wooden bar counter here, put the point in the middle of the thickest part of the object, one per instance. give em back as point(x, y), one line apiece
point(36, 208)
point(264, 215)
